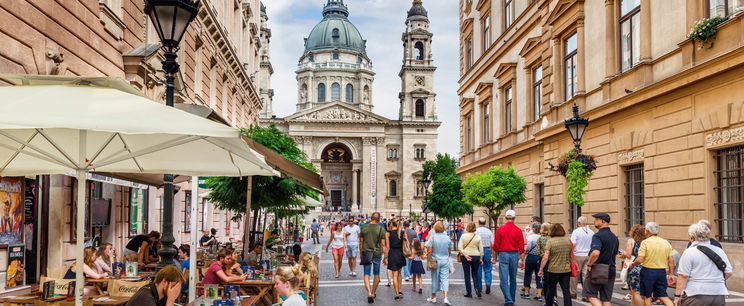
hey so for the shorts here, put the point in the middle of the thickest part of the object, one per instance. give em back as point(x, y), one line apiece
point(653, 283)
point(337, 251)
point(374, 267)
point(604, 291)
point(352, 251)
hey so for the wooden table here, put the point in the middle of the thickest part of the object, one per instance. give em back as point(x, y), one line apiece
point(28, 298)
point(262, 290)
point(98, 283)
point(112, 300)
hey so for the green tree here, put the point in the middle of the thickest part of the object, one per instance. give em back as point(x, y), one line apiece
point(494, 190)
point(445, 200)
point(280, 196)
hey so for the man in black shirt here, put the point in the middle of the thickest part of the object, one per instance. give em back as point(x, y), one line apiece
point(162, 292)
point(603, 250)
point(206, 240)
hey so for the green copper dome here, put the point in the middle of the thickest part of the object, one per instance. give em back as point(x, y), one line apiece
point(335, 31)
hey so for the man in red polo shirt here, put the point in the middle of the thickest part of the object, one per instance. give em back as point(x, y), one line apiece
point(508, 243)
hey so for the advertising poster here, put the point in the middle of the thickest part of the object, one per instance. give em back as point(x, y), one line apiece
point(15, 272)
point(12, 206)
point(187, 212)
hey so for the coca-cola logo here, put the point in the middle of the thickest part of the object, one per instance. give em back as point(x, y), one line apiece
point(129, 289)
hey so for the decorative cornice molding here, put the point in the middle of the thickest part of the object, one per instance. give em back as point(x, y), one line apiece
point(724, 137)
point(631, 156)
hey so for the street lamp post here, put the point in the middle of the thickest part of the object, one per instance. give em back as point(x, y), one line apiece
point(576, 126)
point(426, 182)
point(171, 18)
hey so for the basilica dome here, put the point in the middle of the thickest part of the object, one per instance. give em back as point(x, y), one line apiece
point(335, 31)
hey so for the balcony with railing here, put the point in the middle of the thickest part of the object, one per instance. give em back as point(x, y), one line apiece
point(334, 66)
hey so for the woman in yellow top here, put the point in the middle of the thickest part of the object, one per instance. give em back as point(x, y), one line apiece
point(471, 249)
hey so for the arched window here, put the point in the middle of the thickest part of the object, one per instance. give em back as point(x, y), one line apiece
point(393, 188)
point(321, 92)
point(349, 93)
point(334, 34)
point(419, 108)
point(419, 50)
point(335, 92)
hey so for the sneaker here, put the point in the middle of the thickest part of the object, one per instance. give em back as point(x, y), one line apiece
point(421, 290)
point(431, 300)
point(524, 296)
point(353, 274)
point(447, 303)
point(627, 297)
point(538, 298)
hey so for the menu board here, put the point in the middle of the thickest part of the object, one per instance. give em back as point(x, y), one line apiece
point(15, 272)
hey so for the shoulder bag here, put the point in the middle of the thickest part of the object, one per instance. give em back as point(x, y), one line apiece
point(406, 246)
point(574, 266)
point(459, 254)
point(532, 258)
point(717, 260)
point(432, 263)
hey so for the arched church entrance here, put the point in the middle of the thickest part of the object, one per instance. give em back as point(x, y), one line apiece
point(336, 169)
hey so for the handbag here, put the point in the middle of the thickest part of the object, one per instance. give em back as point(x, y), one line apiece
point(532, 258)
point(574, 265)
point(431, 263)
point(459, 254)
point(406, 246)
point(600, 274)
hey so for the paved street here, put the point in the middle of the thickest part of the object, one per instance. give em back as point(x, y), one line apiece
point(349, 290)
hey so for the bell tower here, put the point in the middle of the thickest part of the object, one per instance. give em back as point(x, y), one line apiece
point(417, 97)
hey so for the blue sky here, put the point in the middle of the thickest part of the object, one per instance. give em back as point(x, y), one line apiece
point(381, 23)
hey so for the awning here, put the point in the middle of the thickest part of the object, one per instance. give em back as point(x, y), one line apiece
point(286, 167)
point(312, 202)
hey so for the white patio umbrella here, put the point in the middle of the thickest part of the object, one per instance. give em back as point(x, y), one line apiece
point(105, 126)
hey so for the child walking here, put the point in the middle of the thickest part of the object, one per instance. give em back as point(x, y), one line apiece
point(417, 267)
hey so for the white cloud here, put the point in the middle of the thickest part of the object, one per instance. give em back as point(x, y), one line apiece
point(381, 23)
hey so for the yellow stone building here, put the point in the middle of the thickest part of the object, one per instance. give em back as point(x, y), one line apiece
point(666, 115)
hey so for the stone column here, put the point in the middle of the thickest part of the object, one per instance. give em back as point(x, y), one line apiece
point(645, 30)
point(581, 50)
point(366, 192)
point(610, 39)
point(354, 182)
point(381, 186)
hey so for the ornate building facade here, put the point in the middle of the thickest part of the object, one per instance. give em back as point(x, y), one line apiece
point(368, 162)
point(218, 56)
point(665, 113)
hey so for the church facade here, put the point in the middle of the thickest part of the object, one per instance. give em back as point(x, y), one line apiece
point(368, 162)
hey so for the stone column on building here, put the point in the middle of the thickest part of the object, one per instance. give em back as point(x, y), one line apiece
point(581, 69)
point(354, 189)
point(381, 186)
point(610, 39)
point(645, 31)
point(365, 197)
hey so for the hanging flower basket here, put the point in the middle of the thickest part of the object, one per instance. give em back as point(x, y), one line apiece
point(577, 168)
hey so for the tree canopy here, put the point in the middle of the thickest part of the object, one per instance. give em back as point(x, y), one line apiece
point(446, 197)
point(275, 193)
point(494, 190)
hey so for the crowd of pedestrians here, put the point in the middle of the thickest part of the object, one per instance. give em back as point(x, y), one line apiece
point(545, 252)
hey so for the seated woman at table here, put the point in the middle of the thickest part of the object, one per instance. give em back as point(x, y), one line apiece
point(164, 290)
point(233, 268)
point(216, 272)
point(106, 257)
point(90, 268)
point(286, 282)
point(140, 245)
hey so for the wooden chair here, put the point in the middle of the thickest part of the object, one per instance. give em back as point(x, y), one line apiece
point(58, 272)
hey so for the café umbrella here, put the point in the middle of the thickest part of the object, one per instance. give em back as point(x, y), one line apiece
point(104, 125)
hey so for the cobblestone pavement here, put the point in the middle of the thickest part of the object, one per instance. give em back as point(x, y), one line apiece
point(348, 290)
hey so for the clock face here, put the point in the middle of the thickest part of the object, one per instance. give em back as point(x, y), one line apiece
point(420, 80)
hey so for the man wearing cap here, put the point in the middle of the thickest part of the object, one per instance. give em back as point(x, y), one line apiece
point(508, 243)
point(603, 250)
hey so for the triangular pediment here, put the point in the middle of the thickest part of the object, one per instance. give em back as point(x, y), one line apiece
point(561, 8)
point(337, 112)
point(530, 45)
point(392, 174)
